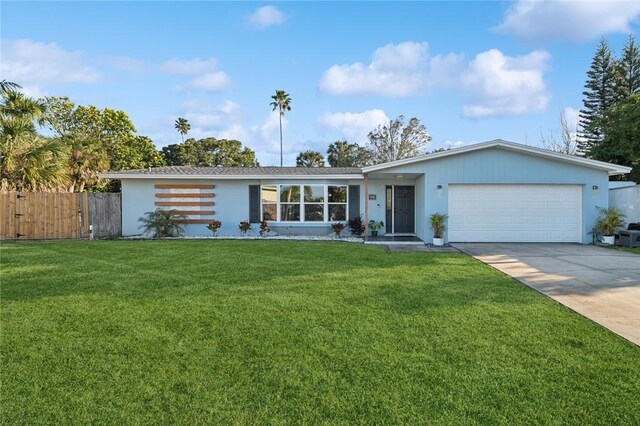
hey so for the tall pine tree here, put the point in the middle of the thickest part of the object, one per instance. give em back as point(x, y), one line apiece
point(599, 95)
point(628, 70)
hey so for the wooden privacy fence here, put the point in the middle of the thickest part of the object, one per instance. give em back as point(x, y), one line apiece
point(105, 214)
point(52, 215)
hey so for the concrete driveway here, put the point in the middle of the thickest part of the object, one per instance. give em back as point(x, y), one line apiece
point(601, 284)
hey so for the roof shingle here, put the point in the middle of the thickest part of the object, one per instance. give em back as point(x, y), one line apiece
point(241, 171)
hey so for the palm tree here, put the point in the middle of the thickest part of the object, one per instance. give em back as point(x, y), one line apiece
point(282, 102)
point(310, 159)
point(28, 161)
point(183, 127)
point(8, 86)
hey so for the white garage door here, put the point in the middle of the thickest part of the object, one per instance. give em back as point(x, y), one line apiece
point(515, 213)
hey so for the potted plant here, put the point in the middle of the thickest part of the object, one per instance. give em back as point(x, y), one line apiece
point(438, 222)
point(337, 227)
point(244, 226)
point(264, 228)
point(213, 226)
point(374, 227)
point(608, 223)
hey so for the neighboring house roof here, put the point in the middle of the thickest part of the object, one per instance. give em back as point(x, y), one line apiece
point(191, 172)
point(612, 169)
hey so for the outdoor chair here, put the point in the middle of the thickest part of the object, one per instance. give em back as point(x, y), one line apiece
point(630, 237)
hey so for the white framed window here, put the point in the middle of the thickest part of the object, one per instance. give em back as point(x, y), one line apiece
point(304, 203)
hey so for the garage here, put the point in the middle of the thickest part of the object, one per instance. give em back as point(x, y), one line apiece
point(515, 213)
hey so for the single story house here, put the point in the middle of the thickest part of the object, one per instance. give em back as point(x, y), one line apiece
point(496, 191)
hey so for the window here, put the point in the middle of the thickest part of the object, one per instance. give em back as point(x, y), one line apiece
point(304, 203)
point(289, 203)
point(314, 203)
point(337, 203)
point(270, 202)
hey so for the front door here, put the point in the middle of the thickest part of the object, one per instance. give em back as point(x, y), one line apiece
point(404, 210)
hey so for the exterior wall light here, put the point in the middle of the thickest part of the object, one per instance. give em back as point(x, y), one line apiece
point(439, 187)
point(594, 187)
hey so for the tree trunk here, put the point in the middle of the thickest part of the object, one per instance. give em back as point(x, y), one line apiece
point(280, 139)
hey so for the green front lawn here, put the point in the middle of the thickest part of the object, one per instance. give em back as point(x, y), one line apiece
point(219, 332)
point(635, 250)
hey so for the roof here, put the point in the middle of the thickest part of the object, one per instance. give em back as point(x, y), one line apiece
point(190, 172)
point(612, 169)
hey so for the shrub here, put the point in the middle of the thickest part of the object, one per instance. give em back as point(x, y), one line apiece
point(264, 228)
point(244, 226)
point(356, 227)
point(337, 227)
point(214, 226)
point(162, 223)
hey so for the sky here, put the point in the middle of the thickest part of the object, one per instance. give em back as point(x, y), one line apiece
point(470, 71)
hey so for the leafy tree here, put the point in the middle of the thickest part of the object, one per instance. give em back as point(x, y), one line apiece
point(209, 152)
point(310, 159)
point(183, 127)
point(621, 144)
point(567, 143)
point(99, 131)
point(281, 102)
point(394, 141)
point(628, 70)
point(27, 160)
point(345, 154)
point(599, 95)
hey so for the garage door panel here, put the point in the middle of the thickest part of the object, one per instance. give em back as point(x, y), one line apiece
point(517, 213)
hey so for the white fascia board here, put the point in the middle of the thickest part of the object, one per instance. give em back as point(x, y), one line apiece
point(224, 177)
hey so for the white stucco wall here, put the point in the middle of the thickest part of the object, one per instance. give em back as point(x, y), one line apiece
point(502, 166)
point(627, 200)
point(231, 204)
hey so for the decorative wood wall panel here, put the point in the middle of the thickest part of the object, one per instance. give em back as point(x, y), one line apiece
point(184, 203)
point(185, 199)
point(183, 186)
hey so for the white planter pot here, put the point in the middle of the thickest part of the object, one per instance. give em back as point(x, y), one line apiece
point(609, 239)
point(438, 241)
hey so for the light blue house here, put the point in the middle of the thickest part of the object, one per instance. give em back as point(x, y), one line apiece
point(495, 191)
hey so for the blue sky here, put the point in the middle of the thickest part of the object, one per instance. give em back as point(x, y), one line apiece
point(470, 71)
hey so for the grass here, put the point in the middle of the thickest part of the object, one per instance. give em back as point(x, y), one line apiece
point(236, 332)
point(635, 250)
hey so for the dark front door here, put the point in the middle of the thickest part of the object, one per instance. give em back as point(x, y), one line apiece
point(404, 210)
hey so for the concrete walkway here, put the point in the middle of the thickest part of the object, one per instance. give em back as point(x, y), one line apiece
point(600, 283)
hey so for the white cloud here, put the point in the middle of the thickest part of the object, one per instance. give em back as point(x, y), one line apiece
point(205, 74)
point(33, 64)
point(212, 81)
point(354, 126)
point(211, 119)
point(572, 116)
point(397, 70)
point(453, 144)
point(269, 130)
point(568, 20)
point(266, 16)
point(190, 67)
point(498, 85)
